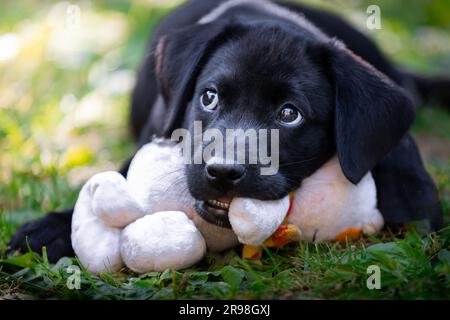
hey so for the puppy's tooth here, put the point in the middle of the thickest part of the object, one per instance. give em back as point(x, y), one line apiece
point(218, 204)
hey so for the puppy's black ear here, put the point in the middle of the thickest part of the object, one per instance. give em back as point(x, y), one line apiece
point(372, 114)
point(179, 59)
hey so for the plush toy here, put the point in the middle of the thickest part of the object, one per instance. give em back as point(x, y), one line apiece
point(147, 222)
point(327, 206)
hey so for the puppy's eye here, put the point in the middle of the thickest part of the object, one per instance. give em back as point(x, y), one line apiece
point(209, 99)
point(289, 115)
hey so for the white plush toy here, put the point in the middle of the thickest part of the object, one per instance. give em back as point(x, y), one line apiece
point(327, 206)
point(148, 221)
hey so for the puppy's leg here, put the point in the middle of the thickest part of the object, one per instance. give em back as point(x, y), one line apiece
point(405, 191)
point(104, 206)
point(51, 231)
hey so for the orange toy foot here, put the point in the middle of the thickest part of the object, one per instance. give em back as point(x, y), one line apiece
point(285, 234)
point(351, 234)
point(251, 253)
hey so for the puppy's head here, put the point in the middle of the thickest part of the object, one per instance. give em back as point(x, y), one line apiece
point(317, 97)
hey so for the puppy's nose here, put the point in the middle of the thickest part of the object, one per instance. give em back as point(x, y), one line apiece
point(228, 173)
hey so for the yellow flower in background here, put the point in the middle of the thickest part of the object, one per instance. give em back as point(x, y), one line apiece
point(76, 156)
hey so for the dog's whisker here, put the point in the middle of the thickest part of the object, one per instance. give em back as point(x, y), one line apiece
point(297, 162)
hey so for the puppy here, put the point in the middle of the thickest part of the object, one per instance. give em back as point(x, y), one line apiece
point(257, 64)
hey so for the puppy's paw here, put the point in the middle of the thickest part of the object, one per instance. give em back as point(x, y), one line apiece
point(51, 231)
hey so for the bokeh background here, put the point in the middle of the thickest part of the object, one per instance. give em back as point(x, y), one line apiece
point(67, 69)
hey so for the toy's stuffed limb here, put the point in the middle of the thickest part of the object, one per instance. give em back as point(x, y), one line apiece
point(257, 224)
point(96, 245)
point(103, 207)
point(112, 201)
point(254, 220)
point(153, 242)
point(167, 239)
point(372, 224)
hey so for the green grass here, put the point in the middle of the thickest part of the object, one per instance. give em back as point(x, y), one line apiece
point(412, 267)
point(43, 110)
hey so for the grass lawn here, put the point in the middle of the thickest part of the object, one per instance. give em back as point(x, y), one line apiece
point(63, 108)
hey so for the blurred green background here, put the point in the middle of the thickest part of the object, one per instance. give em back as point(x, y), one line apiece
point(67, 69)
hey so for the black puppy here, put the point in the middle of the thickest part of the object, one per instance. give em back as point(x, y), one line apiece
point(253, 64)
